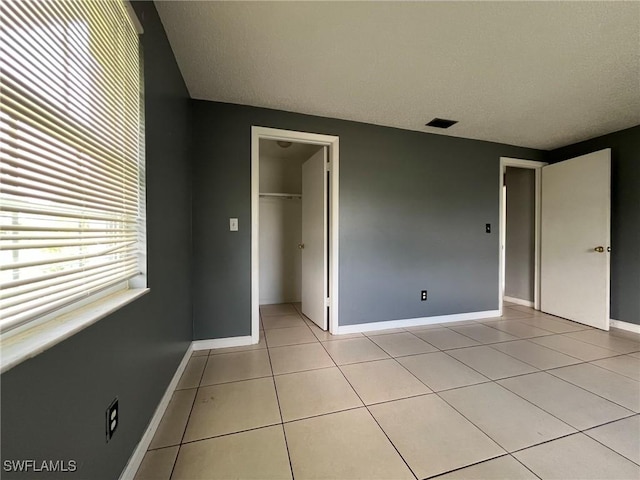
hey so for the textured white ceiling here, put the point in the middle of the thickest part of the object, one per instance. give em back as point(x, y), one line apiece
point(535, 74)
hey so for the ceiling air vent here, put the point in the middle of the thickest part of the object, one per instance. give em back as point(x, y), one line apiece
point(441, 123)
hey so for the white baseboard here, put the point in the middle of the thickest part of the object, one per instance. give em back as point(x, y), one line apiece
point(276, 301)
point(518, 301)
point(416, 322)
point(136, 458)
point(222, 343)
point(629, 327)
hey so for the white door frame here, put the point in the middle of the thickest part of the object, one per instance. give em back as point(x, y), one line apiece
point(333, 145)
point(537, 166)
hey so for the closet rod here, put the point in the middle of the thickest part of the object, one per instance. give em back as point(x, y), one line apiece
point(287, 196)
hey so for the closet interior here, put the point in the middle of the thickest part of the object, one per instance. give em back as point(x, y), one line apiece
point(280, 226)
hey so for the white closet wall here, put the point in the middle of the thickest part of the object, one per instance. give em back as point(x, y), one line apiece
point(280, 231)
point(280, 258)
point(280, 175)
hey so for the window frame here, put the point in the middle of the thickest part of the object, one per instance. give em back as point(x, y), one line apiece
point(35, 336)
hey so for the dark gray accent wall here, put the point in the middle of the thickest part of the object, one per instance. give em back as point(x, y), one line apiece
point(625, 215)
point(53, 406)
point(520, 235)
point(413, 209)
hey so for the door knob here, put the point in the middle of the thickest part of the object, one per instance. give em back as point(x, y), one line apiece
point(301, 246)
point(599, 249)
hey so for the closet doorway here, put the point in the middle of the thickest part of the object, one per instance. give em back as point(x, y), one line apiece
point(294, 224)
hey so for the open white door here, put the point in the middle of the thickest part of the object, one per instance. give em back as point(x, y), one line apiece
point(575, 236)
point(314, 238)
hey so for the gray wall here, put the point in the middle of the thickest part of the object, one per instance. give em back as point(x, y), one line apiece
point(520, 236)
point(413, 209)
point(53, 406)
point(625, 215)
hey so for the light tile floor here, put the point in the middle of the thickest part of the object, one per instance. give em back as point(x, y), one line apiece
point(524, 396)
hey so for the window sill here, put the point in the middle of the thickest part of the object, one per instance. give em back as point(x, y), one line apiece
point(15, 349)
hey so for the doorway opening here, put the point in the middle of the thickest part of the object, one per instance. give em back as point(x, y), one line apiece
point(294, 216)
point(520, 186)
point(571, 235)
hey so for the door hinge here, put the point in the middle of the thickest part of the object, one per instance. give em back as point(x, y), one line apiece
point(328, 166)
point(327, 302)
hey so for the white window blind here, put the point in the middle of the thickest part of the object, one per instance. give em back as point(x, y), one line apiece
point(71, 155)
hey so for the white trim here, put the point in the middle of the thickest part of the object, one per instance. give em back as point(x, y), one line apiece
point(16, 347)
point(538, 237)
point(134, 17)
point(137, 456)
point(417, 322)
point(255, 235)
point(223, 342)
point(537, 166)
point(629, 327)
point(518, 162)
point(334, 225)
point(333, 145)
point(518, 301)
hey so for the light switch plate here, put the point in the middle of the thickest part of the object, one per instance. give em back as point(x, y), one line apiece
point(233, 224)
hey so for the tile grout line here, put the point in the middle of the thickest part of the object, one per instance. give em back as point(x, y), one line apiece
point(507, 454)
point(631, 413)
point(490, 345)
point(504, 331)
point(489, 436)
point(567, 335)
point(613, 371)
point(531, 446)
point(609, 422)
point(403, 398)
point(394, 356)
point(473, 423)
point(227, 434)
point(193, 404)
point(432, 392)
point(583, 388)
point(607, 446)
point(580, 360)
point(238, 380)
point(374, 418)
point(368, 410)
point(175, 461)
point(525, 466)
point(411, 373)
point(539, 370)
point(549, 441)
point(282, 423)
point(275, 389)
point(583, 362)
point(577, 430)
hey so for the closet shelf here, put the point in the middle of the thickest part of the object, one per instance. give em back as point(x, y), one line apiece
point(281, 195)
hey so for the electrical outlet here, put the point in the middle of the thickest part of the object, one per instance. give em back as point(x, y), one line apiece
point(423, 296)
point(112, 418)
